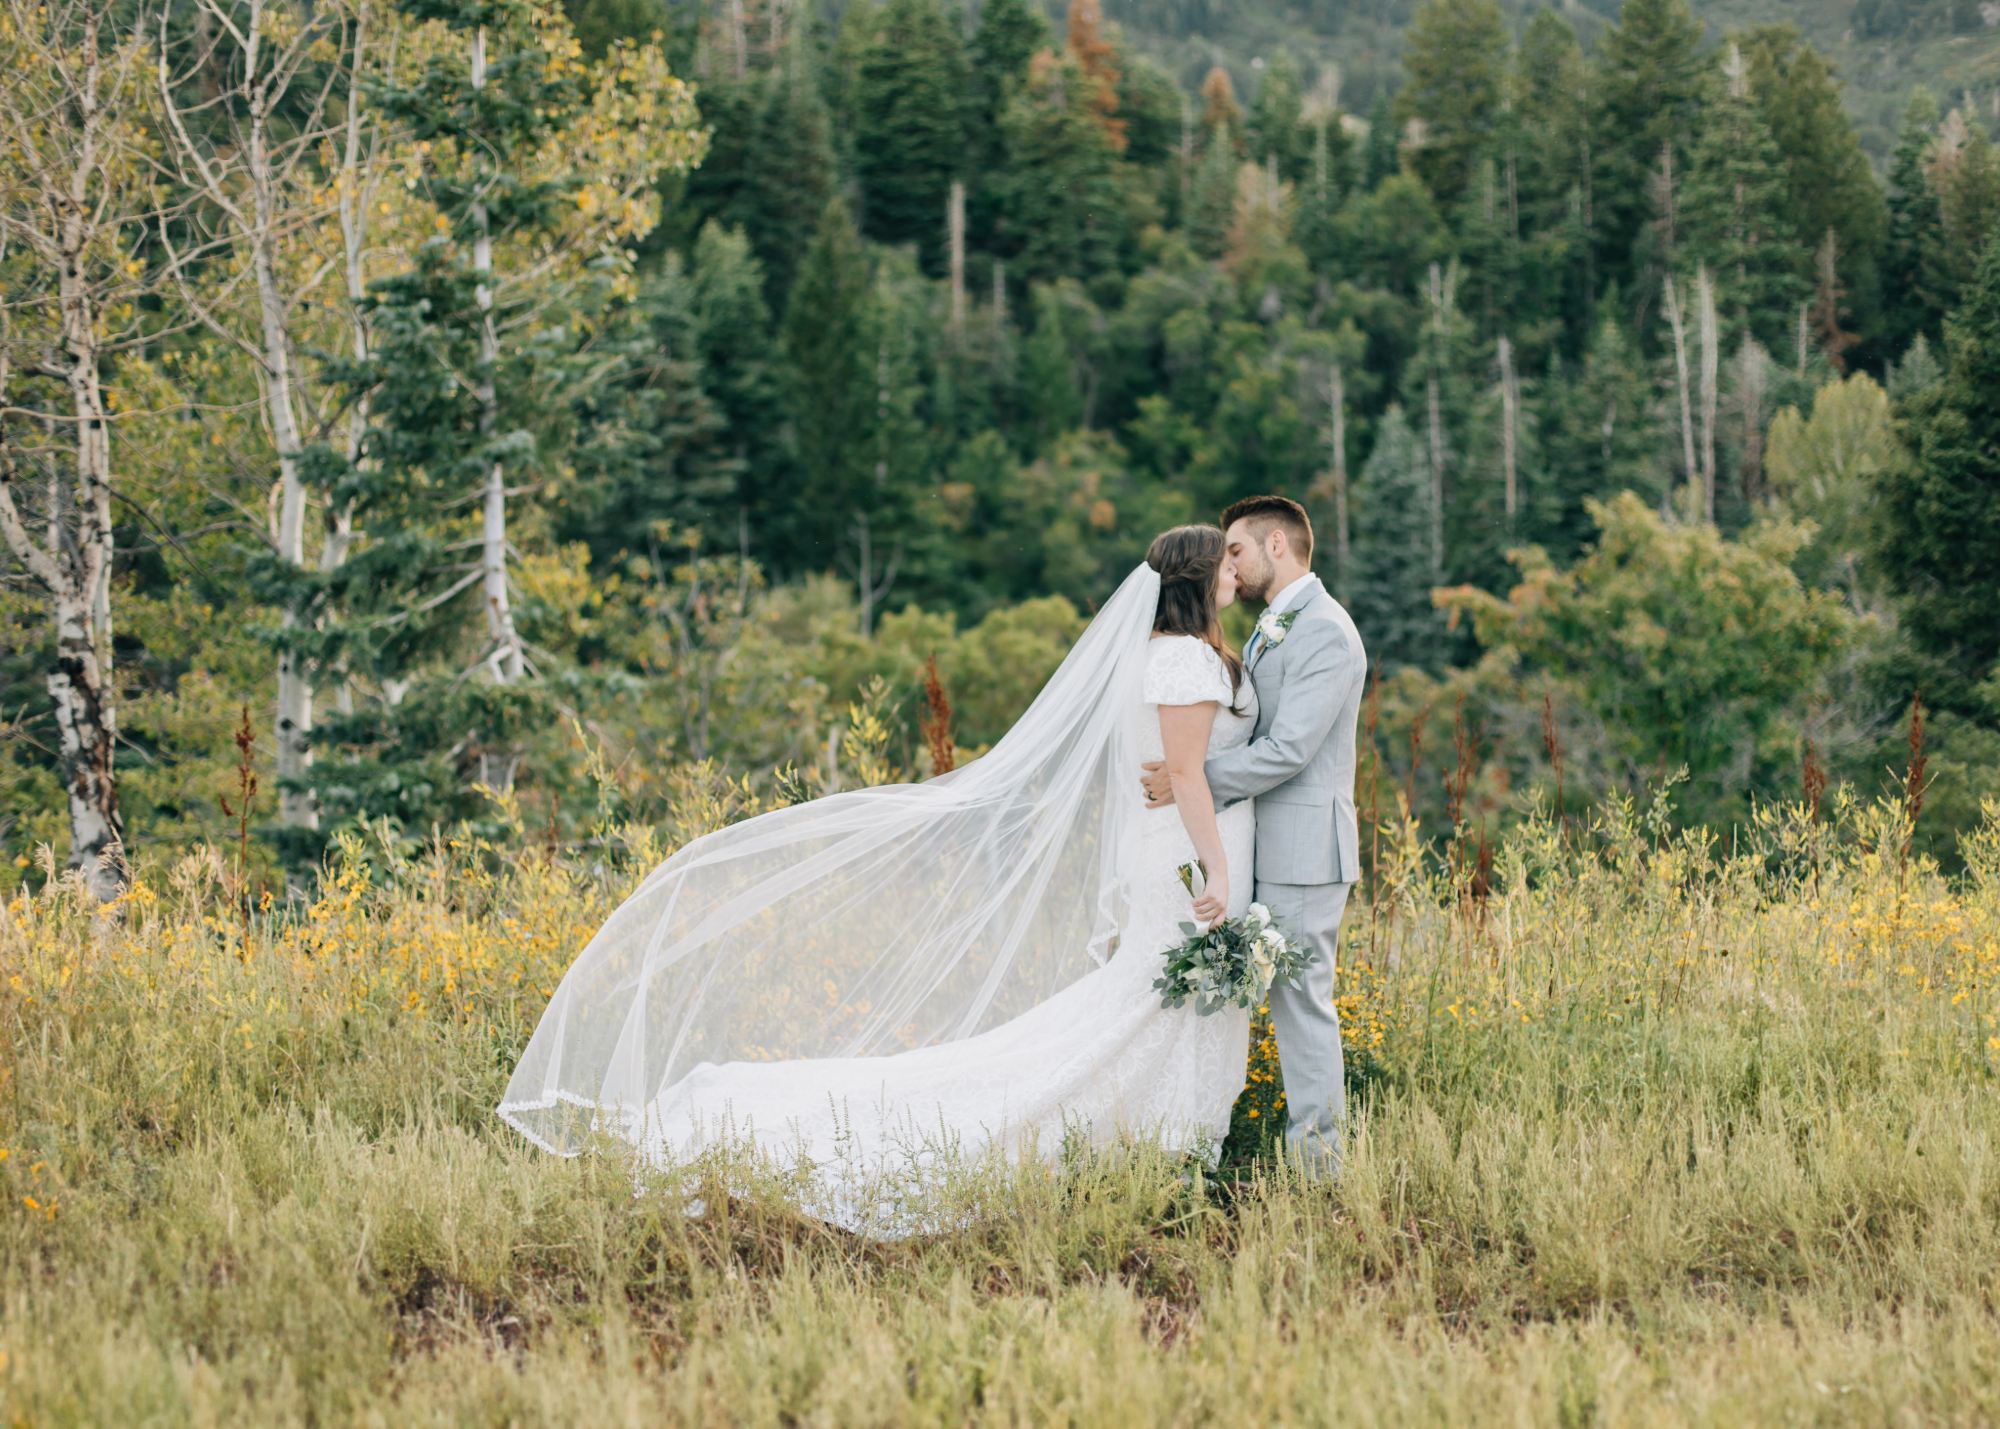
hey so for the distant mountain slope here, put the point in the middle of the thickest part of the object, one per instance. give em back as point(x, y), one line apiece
point(1882, 47)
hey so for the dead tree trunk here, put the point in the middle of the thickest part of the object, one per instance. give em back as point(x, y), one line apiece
point(80, 204)
point(1440, 301)
point(505, 659)
point(1510, 400)
point(1704, 301)
point(249, 183)
point(1336, 397)
point(1681, 375)
point(955, 222)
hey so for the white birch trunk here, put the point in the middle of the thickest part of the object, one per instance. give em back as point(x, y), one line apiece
point(1681, 376)
point(1336, 397)
point(75, 568)
point(1433, 400)
point(298, 807)
point(257, 222)
point(1510, 392)
point(80, 684)
point(505, 661)
point(955, 220)
point(355, 196)
point(1704, 298)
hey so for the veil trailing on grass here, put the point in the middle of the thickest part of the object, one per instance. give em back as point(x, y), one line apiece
point(866, 923)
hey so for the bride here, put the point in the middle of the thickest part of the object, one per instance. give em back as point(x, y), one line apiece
point(872, 977)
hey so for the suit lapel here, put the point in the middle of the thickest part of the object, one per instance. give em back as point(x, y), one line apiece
point(1256, 657)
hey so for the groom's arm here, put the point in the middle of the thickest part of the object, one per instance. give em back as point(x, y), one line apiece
point(1304, 720)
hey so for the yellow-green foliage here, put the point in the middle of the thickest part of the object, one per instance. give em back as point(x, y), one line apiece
point(1647, 1134)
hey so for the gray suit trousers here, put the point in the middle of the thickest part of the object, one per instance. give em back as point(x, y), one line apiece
point(1308, 1024)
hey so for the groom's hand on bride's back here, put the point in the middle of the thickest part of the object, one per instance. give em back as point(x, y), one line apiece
point(1159, 787)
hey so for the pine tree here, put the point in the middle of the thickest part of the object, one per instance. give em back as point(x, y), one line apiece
point(1274, 128)
point(1214, 198)
point(1830, 183)
point(1646, 89)
point(1096, 61)
point(1381, 158)
point(1600, 436)
point(1438, 386)
point(1392, 578)
point(1542, 158)
point(719, 188)
point(1548, 99)
point(1939, 509)
point(1063, 212)
point(677, 458)
point(1966, 173)
point(1220, 113)
point(909, 132)
point(1149, 105)
point(790, 166)
point(1455, 53)
point(456, 417)
point(1915, 231)
point(830, 367)
point(1258, 251)
point(1059, 362)
point(1010, 33)
point(729, 332)
point(1732, 216)
point(1328, 180)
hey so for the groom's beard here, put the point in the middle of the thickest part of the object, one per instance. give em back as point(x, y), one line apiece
point(1256, 581)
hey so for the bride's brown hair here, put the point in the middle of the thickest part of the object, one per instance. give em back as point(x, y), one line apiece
point(1188, 559)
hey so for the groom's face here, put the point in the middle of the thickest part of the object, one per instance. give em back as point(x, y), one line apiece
point(1254, 571)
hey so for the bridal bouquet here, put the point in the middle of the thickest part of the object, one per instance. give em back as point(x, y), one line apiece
point(1233, 964)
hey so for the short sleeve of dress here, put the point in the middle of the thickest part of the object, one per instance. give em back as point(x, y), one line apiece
point(1181, 670)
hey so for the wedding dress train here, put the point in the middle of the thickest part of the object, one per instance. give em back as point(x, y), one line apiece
point(1099, 1059)
point(873, 977)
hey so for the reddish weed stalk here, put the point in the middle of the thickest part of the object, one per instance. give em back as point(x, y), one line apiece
point(1913, 783)
point(246, 791)
point(1552, 744)
point(937, 720)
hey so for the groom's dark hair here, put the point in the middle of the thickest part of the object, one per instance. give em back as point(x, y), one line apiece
point(1265, 512)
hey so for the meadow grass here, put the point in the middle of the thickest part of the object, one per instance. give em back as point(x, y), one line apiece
point(1655, 1132)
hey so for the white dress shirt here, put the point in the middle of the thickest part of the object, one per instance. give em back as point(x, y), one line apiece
point(1292, 594)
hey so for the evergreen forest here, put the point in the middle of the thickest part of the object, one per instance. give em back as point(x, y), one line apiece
point(463, 419)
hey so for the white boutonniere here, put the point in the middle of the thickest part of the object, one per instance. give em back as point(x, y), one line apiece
point(1275, 627)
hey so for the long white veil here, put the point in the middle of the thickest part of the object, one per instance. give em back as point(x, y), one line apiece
point(866, 923)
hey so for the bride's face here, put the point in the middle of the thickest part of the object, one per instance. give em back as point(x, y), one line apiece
point(1225, 584)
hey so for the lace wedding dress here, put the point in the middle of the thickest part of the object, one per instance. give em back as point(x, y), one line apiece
point(873, 978)
point(1098, 1060)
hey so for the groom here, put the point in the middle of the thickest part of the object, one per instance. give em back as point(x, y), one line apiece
point(1308, 666)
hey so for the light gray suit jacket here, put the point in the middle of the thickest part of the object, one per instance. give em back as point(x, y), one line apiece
point(1299, 763)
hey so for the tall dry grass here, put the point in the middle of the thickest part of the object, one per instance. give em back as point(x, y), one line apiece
point(1653, 1132)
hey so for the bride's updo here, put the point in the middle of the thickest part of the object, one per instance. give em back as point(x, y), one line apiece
point(1188, 559)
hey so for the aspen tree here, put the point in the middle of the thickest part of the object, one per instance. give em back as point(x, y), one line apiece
point(1510, 400)
point(1675, 321)
point(240, 146)
point(77, 207)
point(1704, 308)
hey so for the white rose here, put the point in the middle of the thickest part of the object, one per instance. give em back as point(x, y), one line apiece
point(1271, 626)
point(1259, 916)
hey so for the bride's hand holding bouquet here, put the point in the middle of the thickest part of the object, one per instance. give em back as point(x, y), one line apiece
point(1210, 893)
point(1231, 963)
